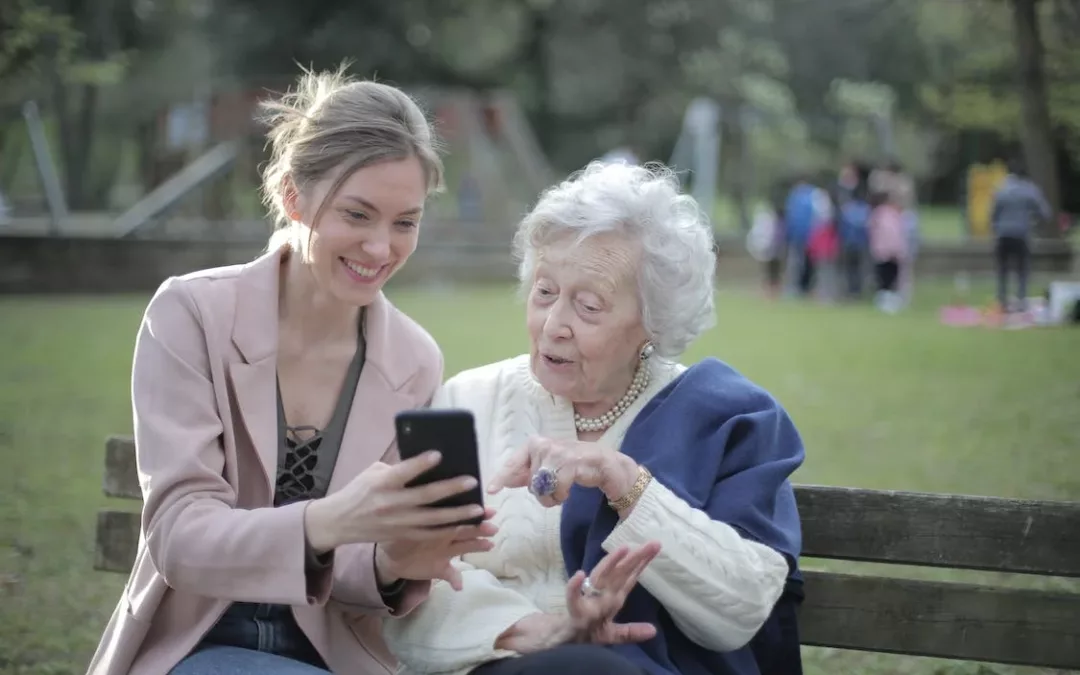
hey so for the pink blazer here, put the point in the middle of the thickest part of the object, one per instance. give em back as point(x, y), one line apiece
point(205, 419)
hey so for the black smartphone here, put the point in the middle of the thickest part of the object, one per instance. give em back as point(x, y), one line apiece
point(453, 433)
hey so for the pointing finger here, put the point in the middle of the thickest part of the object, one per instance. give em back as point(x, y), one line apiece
point(514, 473)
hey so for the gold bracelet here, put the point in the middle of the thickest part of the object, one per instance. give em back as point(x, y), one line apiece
point(630, 498)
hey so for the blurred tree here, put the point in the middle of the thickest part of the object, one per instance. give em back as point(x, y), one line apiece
point(1035, 128)
point(66, 54)
point(1009, 68)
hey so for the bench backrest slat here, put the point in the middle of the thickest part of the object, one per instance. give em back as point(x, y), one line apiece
point(947, 620)
point(938, 530)
point(121, 475)
point(117, 541)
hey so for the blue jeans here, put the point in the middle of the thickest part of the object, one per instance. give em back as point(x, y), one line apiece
point(220, 660)
point(254, 638)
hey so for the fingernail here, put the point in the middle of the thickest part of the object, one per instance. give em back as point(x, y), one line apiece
point(468, 483)
point(477, 511)
point(434, 456)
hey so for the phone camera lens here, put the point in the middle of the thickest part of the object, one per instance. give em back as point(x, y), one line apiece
point(406, 428)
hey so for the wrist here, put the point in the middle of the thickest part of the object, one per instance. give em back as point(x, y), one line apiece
point(385, 574)
point(627, 500)
point(536, 632)
point(622, 474)
point(320, 526)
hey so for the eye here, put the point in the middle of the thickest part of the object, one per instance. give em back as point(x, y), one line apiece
point(406, 224)
point(356, 215)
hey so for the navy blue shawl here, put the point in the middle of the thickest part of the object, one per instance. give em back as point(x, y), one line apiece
point(727, 447)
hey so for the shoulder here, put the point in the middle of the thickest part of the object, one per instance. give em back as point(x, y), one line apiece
point(712, 405)
point(195, 290)
point(475, 386)
point(717, 389)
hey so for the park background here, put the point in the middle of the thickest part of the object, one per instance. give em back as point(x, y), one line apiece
point(128, 153)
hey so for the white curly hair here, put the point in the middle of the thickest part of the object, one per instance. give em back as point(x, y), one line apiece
point(645, 205)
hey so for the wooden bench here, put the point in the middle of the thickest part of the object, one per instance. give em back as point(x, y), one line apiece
point(855, 611)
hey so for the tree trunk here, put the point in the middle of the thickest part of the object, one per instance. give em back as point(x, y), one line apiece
point(1036, 133)
point(536, 54)
point(734, 161)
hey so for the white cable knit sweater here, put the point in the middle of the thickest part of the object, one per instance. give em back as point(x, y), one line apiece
point(718, 587)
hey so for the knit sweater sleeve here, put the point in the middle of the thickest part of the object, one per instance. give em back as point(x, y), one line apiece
point(718, 586)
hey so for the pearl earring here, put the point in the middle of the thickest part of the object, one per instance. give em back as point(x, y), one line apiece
point(647, 350)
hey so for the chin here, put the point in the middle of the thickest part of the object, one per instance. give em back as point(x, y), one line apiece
point(553, 383)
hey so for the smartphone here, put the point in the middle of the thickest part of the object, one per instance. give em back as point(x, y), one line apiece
point(453, 433)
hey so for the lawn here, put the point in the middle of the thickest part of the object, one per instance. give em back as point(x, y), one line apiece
point(883, 402)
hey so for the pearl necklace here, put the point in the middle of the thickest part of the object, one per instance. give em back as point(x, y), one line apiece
point(603, 422)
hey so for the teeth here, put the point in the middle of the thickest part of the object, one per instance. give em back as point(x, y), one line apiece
point(362, 271)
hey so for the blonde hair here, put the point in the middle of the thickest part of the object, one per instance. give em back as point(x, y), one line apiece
point(333, 123)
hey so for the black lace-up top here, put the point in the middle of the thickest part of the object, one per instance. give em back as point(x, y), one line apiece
point(306, 455)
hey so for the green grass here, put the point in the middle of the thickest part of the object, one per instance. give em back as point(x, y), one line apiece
point(883, 402)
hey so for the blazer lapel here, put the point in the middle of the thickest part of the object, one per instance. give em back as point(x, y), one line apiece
point(254, 381)
point(369, 432)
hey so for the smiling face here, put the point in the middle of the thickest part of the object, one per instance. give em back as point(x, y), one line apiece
point(366, 231)
point(584, 320)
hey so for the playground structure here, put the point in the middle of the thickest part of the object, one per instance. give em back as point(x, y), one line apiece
point(196, 202)
point(202, 179)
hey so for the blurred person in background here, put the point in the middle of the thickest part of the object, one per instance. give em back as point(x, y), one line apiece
point(799, 219)
point(823, 248)
point(647, 521)
point(888, 249)
point(277, 530)
point(1019, 205)
point(904, 195)
point(854, 230)
point(765, 242)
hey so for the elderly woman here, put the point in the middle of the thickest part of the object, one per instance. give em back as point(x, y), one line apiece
point(601, 454)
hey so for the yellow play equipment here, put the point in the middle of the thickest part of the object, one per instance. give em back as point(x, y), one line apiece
point(983, 181)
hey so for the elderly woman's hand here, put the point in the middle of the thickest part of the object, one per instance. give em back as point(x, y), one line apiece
point(591, 608)
point(550, 467)
point(594, 600)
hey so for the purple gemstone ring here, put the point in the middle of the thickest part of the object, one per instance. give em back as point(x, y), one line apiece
point(544, 482)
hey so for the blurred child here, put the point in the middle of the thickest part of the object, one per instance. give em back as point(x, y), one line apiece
point(855, 241)
point(888, 250)
point(765, 242)
point(823, 248)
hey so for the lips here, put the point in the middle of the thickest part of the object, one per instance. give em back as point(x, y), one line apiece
point(556, 360)
point(361, 270)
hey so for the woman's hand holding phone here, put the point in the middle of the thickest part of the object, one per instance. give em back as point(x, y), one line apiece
point(377, 507)
point(421, 560)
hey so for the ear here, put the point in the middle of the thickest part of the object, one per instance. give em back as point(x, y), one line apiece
point(290, 196)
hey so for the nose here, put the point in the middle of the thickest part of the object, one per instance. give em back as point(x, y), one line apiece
point(556, 325)
point(376, 245)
